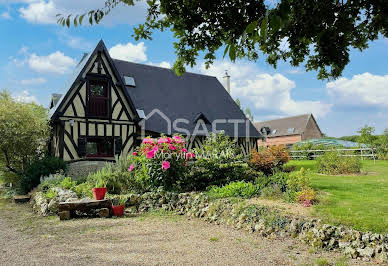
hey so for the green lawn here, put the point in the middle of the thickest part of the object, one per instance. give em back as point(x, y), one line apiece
point(360, 201)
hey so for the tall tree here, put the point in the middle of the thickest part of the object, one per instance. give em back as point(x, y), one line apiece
point(238, 102)
point(24, 130)
point(318, 34)
point(366, 135)
point(248, 113)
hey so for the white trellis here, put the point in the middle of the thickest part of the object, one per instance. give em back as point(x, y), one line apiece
point(350, 152)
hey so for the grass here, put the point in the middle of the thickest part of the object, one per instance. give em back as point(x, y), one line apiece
point(360, 201)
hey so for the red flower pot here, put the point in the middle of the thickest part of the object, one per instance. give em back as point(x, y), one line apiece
point(118, 210)
point(99, 193)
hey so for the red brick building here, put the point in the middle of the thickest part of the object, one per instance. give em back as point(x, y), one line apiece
point(288, 130)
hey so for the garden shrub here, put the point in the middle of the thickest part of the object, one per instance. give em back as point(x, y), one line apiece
point(219, 162)
point(38, 168)
point(299, 187)
point(333, 163)
point(162, 162)
point(234, 189)
point(50, 181)
point(166, 159)
point(268, 160)
point(278, 178)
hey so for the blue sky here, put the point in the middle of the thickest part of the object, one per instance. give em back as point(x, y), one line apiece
point(37, 57)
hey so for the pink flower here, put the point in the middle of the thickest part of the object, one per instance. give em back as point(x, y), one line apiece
point(171, 147)
point(190, 155)
point(162, 140)
point(184, 150)
point(131, 168)
point(150, 154)
point(178, 139)
point(169, 140)
point(148, 141)
point(155, 149)
point(165, 165)
point(134, 153)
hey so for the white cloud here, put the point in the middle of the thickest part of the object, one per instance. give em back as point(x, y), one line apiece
point(39, 12)
point(33, 81)
point(129, 52)
point(366, 88)
point(5, 15)
point(266, 92)
point(75, 42)
point(25, 97)
point(55, 63)
point(45, 11)
point(163, 64)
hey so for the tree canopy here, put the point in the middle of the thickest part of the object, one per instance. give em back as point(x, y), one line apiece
point(318, 34)
point(24, 130)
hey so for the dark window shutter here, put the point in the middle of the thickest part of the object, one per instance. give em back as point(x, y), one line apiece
point(81, 147)
point(118, 144)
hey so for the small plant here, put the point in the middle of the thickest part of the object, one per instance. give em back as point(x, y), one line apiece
point(234, 189)
point(306, 197)
point(67, 183)
point(83, 190)
point(50, 194)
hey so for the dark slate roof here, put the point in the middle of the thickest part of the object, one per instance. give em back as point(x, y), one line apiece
point(183, 97)
point(282, 125)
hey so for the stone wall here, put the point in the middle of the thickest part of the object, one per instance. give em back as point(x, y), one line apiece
point(83, 168)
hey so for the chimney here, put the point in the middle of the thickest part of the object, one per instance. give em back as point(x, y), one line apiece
point(227, 81)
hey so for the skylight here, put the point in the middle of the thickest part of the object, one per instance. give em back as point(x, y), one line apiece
point(274, 131)
point(129, 81)
point(141, 113)
point(291, 130)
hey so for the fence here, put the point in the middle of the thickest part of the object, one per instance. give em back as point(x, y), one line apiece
point(351, 152)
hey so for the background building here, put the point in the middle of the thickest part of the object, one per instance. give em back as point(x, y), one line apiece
point(288, 130)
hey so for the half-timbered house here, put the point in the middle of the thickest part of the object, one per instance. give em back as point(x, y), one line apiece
point(109, 105)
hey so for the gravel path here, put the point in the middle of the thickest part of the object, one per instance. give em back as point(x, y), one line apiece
point(153, 239)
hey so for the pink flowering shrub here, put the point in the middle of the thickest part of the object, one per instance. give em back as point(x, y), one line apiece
point(165, 159)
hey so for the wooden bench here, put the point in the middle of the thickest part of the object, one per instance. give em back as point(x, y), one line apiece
point(68, 210)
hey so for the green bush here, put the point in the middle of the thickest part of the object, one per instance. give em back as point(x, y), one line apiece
point(37, 169)
point(83, 190)
point(296, 183)
point(333, 163)
point(279, 179)
point(50, 181)
point(219, 162)
point(68, 183)
point(234, 189)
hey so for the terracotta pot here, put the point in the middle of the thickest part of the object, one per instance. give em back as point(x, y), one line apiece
point(99, 193)
point(118, 210)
